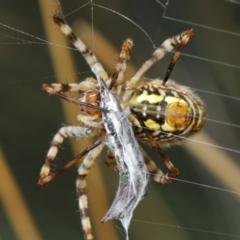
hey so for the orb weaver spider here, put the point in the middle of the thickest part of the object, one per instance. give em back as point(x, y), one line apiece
point(161, 112)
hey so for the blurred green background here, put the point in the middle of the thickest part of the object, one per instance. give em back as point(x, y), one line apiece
point(29, 118)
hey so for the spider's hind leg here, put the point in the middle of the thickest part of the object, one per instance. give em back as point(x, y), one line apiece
point(156, 174)
point(173, 171)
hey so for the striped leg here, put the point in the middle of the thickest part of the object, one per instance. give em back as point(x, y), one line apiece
point(173, 172)
point(83, 171)
point(156, 174)
point(120, 69)
point(64, 132)
point(88, 84)
point(89, 56)
point(167, 46)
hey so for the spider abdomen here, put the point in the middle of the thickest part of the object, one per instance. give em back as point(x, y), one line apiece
point(171, 112)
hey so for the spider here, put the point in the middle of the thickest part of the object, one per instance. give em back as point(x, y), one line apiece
point(161, 112)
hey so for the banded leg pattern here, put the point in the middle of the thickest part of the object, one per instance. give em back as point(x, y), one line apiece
point(64, 132)
point(81, 186)
point(156, 174)
point(167, 46)
point(81, 47)
point(87, 85)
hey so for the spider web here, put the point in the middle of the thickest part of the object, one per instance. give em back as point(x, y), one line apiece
point(210, 64)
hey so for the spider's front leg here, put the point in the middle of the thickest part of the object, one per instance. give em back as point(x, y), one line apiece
point(83, 171)
point(89, 84)
point(89, 101)
point(64, 132)
point(168, 45)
